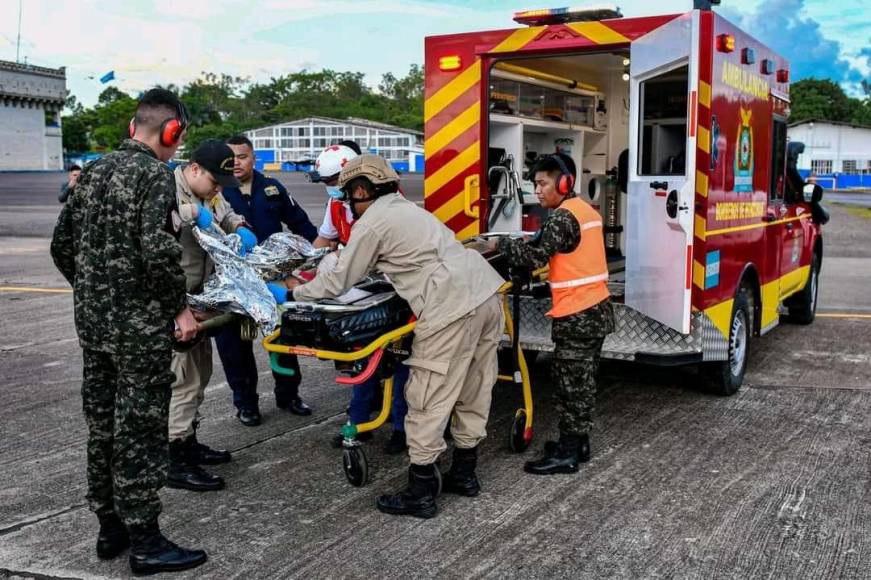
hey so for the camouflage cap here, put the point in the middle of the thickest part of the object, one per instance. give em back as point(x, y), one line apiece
point(373, 167)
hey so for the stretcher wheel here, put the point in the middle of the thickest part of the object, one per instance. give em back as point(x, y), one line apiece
point(356, 466)
point(519, 439)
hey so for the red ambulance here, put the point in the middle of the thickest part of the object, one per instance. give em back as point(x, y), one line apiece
point(677, 125)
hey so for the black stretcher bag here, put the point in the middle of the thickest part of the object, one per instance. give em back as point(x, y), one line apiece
point(334, 327)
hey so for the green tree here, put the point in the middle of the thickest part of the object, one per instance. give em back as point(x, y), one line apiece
point(221, 106)
point(820, 99)
point(111, 118)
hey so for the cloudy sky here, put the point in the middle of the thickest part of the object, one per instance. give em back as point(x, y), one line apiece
point(149, 42)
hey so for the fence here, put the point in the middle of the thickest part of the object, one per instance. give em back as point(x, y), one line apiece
point(840, 180)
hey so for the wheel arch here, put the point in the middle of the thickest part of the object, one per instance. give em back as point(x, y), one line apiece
point(750, 277)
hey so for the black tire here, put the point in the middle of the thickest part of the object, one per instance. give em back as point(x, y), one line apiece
point(356, 466)
point(803, 305)
point(517, 441)
point(724, 378)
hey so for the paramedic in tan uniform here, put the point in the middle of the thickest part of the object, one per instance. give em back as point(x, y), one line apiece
point(453, 293)
point(198, 194)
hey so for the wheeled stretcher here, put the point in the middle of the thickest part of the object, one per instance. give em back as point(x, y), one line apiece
point(369, 336)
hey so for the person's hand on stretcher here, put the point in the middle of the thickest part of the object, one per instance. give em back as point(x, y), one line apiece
point(186, 326)
point(281, 289)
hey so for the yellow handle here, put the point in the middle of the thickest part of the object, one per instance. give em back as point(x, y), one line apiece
point(473, 182)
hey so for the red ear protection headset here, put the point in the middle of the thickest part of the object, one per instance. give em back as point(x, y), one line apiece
point(171, 129)
point(565, 183)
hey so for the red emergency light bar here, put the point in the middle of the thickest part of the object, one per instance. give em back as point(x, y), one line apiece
point(783, 75)
point(725, 43)
point(544, 16)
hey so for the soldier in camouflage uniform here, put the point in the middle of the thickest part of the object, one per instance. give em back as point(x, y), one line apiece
point(113, 242)
point(582, 313)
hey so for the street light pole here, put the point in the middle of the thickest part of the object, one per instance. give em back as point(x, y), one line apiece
point(18, 45)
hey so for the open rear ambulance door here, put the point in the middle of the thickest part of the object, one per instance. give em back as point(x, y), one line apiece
point(664, 73)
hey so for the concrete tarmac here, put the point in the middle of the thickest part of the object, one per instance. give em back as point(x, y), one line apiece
point(772, 482)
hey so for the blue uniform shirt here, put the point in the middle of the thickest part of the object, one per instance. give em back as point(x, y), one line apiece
point(268, 206)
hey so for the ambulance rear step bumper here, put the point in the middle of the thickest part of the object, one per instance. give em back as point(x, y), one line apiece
point(637, 337)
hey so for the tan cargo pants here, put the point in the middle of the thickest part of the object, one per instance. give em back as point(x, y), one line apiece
point(453, 371)
point(192, 369)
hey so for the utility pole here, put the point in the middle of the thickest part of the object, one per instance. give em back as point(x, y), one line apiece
point(18, 45)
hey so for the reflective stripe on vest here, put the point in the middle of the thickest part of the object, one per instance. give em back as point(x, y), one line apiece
point(578, 279)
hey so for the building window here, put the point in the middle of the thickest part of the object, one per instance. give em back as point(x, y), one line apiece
point(304, 143)
point(849, 166)
point(821, 166)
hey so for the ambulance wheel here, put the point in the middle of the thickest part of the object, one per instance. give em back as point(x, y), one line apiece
point(356, 466)
point(726, 377)
point(803, 306)
point(517, 441)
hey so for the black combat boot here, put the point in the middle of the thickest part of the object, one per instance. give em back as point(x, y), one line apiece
point(152, 553)
point(200, 454)
point(113, 538)
point(418, 499)
point(564, 456)
point(461, 478)
point(186, 475)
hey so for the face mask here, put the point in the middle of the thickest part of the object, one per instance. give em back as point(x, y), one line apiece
point(334, 192)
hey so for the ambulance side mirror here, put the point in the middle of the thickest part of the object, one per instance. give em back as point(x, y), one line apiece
point(813, 193)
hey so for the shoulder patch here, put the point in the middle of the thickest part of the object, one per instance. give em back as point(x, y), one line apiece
point(271, 190)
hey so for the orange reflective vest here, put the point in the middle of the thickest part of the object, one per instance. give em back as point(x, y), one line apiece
point(579, 279)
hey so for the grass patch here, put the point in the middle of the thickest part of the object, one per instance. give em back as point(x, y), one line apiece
point(862, 212)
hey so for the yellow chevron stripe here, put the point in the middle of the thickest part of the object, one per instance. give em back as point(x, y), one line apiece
point(467, 232)
point(450, 208)
point(452, 130)
point(598, 32)
point(449, 93)
point(701, 226)
point(698, 275)
point(451, 169)
point(704, 139)
point(705, 94)
point(702, 183)
point(721, 315)
point(518, 39)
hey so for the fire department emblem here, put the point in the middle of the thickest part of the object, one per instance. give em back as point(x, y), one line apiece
point(744, 154)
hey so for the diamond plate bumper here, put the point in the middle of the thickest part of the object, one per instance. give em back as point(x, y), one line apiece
point(637, 337)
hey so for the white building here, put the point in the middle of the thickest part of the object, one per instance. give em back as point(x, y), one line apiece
point(31, 99)
point(304, 139)
point(833, 147)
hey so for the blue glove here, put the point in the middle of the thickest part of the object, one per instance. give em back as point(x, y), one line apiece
point(204, 218)
point(249, 240)
point(279, 291)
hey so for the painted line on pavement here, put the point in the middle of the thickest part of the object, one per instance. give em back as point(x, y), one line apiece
point(34, 289)
point(842, 315)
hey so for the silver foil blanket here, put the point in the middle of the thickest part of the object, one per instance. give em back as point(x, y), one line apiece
point(239, 283)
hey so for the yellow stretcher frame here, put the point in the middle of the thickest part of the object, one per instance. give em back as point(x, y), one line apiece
point(523, 421)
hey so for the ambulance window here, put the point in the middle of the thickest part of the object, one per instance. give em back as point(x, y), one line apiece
point(778, 160)
point(663, 123)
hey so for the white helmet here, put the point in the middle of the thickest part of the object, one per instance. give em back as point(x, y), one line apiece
point(332, 159)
